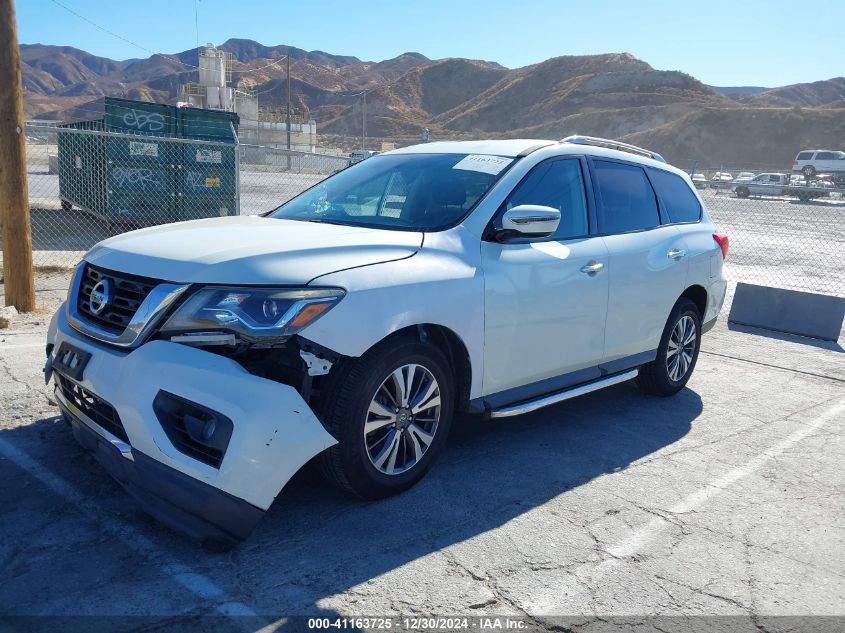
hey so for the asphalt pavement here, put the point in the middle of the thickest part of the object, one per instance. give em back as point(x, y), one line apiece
point(725, 500)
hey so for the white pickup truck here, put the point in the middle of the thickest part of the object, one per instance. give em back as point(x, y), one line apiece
point(767, 184)
point(777, 184)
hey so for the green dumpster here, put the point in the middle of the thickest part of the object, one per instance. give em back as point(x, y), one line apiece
point(150, 163)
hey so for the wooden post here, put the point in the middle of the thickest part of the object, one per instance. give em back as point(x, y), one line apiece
point(287, 125)
point(14, 202)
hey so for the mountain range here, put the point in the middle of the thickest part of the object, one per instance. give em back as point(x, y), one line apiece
point(613, 95)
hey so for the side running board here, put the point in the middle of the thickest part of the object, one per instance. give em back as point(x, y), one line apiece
point(560, 396)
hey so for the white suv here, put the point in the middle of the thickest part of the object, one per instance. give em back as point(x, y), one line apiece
point(205, 362)
point(819, 161)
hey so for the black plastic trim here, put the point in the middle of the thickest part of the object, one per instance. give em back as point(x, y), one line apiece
point(558, 383)
point(627, 362)
point(184, 504)
point(177, 415)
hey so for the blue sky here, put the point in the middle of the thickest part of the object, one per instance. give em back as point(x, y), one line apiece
point(746, 42)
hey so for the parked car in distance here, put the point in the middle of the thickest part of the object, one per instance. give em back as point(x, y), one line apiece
point(721, 180)
point(205, 362)
point(358, 155)
point(743, 175)
point(820, 161)
point(699, 181)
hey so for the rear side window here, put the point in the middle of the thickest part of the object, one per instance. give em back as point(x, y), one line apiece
point(804, 156)
point(558, 184)
point(825, 156)
point(627, 199)
point(680, 203)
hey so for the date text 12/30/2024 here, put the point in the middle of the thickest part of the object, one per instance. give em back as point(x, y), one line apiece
point(475, 623)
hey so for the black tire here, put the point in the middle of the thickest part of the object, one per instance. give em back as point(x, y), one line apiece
point(66, 205)
point(344, 411)
point(742, 192)
point(654, 377)
point(808, 170)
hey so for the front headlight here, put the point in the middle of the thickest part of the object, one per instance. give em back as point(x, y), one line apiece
point(252, 312)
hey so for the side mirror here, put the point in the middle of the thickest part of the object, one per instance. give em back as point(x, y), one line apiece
point(528, 220)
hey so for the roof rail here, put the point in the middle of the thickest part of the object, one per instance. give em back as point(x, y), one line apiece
point(611, 144)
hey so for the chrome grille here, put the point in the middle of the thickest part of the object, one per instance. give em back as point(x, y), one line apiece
point(129, 292)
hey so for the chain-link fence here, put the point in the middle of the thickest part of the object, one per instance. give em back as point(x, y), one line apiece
point(86, 185)
point(786, 230)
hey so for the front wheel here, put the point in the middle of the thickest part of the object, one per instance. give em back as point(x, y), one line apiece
point(677, 353)
point(390, 411)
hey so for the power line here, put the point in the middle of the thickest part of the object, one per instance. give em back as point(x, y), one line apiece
point(118, 36)
point(152, 52)
point(197, 27)
point(252, 70)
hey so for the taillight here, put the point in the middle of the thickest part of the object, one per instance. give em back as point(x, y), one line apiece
point(723, 242)
point(794, 162)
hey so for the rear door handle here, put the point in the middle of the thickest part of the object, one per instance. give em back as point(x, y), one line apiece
point(592, 268)
point(676, 254)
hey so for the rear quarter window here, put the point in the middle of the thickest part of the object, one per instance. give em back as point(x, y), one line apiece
point(804, 156)
point(678, 200)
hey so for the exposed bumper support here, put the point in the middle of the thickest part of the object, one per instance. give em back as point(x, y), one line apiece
point(181, 502)
point(274, 432)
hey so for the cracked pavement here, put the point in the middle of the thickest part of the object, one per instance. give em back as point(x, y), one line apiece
point(724, 500)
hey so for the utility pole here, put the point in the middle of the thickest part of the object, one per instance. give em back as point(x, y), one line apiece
point(14, 202)
point(288, 117)
point(364, 123)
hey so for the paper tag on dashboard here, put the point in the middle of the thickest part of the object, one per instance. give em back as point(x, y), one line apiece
point(483, 163)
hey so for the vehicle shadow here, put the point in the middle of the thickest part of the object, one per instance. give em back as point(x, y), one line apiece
point(317, 542)
point(816, 202)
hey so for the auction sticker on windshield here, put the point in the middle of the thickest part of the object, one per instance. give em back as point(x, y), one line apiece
point(485, 164)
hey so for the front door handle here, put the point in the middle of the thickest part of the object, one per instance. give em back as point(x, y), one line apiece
point(676, 254)
point(592, 268)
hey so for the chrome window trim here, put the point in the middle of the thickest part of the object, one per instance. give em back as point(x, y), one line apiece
point(147, 316)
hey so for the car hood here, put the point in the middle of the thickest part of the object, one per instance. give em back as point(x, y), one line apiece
point(250, 250)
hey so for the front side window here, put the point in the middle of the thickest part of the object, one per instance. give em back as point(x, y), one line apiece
point(627, 199)
point(406, 192)
point(558, 184)
point(680, 203)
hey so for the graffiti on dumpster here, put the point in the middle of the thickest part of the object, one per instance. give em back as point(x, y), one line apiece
point(146, 121)
point(198, 181)
point(144, 179)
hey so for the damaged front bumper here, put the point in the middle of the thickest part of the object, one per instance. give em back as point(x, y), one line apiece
point(215, 492)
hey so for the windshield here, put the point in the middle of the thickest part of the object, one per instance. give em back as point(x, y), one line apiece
point(408, 192)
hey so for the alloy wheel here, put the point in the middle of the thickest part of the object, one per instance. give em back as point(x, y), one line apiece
point(681, 348)
point(402, 419)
